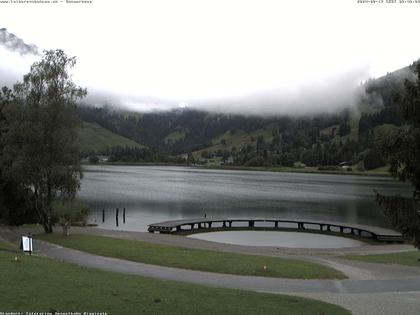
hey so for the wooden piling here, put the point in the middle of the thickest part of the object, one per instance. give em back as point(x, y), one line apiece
point(116, 217)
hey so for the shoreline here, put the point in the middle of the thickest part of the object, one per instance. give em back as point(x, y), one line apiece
point(307, 170)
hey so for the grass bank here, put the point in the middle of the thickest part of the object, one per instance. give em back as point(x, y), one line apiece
point(204, 260)
point(410, 258)
point(39, 284)
point(382, 172)
point(7, 246)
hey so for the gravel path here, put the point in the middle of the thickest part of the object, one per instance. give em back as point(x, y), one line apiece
point(370, 289)
point(393, 303)
point(356, 270)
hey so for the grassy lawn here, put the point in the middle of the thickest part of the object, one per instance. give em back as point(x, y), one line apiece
point(176, 136)
point(204, 260)
point(6, 246)
point(404, 258)
point(93, 137)
point(39, 284)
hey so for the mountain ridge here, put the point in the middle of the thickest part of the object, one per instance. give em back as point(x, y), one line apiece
point(323, 139)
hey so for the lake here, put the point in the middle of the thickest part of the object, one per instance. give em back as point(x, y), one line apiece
point(158, 193)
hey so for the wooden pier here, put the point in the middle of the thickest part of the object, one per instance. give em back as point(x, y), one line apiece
point(217, 224)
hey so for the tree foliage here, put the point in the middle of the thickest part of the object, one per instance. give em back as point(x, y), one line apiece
point(402, 150)
point(14, 206)
point(39, 138)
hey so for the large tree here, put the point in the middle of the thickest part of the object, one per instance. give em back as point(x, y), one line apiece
point(39, 143)
point(402, 150)
point(14, 206)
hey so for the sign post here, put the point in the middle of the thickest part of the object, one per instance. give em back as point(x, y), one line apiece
point(26, 244)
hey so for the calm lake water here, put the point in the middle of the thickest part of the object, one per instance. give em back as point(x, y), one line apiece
point(152, 194)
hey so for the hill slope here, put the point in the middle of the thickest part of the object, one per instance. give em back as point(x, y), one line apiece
point(94, 138)
point(349, 136)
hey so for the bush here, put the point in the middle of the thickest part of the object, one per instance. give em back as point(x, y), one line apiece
point(299, 165)
point(328, 168)
point(256, 161)
point(93, 159)
point(73, 212)
point(361, 166)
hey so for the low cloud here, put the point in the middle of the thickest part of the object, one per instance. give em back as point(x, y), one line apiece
point(393, 82)
point(16, 44)
point(327, 95)
point(131, 102)
point(324, 96)
point(304, 95)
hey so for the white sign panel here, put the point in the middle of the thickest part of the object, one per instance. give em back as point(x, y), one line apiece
point(27, 244)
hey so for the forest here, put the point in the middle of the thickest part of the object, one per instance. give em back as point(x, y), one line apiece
point(349, 136)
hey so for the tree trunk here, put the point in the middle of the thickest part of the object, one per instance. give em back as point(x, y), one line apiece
point(48, 225)
point(49, 211)
point(48, 228)
point(44, 216)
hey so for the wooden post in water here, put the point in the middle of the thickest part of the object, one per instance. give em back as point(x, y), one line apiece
point(116, 217)
point(103, 215)
point(124, 215)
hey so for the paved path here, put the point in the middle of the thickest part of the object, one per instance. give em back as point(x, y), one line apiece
point(224, 280)
point(376, 289)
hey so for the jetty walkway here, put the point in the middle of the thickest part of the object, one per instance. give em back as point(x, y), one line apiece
point(216, 224)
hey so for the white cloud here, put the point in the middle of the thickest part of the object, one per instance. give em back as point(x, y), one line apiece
point(231, 52)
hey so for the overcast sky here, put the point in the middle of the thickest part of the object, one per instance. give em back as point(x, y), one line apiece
point(242, 56)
